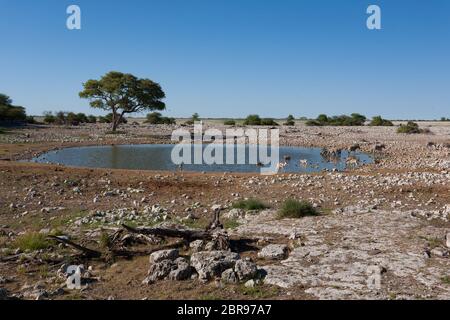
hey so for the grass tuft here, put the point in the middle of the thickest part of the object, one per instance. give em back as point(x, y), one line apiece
point(250, 204)
point(296, 209)
point(32, 241)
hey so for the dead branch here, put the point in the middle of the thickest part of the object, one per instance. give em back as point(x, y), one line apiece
point(89, 252)
point(188, 235)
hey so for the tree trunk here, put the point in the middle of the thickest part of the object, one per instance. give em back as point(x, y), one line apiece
point(114, 122)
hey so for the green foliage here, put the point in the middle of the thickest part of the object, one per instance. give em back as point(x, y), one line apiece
point(229, 122)
point(92, 119)
point(30, 120)
point(68, 118)
point(108, 119)
point(296, 209)
point(255, 120)
point(268, 122)
point(250, 204)
point(123, 94)
point(378, 121)
point(49, 118)
point(290, 121)
point(8, 112)
point(252, 120)
point(231, 224)
point(355, 119)
point(410, 128)
point(157, 118)
point(31, 242)
point(195, 118)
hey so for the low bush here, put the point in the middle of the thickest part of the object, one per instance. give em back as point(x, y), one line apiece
point(296, 209)
point(378, 121)
point(355, 119)
point(250, 204)
point(31, 241)
point(411, 128)
point(229, 122)
point(157, 118)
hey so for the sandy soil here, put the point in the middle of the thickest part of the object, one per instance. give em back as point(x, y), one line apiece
point(399, 207)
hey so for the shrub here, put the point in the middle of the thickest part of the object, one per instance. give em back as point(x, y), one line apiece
point(72, 119)
point(410, 128)
point(92, 119)
point(355, 119)
point(30, 120)
point(31, 242)
point(296, 209)
point(378, 121)
point(8, 112)
point(49, 118)
point(108, 119)
point(229, 122)
point(252, 120)
point(195, 118)
point(250, 204)
point(268, 122)
point(157, 118)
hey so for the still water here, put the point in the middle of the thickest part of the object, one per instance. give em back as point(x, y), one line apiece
point(158, 157)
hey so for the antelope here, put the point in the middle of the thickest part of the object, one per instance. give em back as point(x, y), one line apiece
point(281, 165)
point(352, 161)
point(304, 163)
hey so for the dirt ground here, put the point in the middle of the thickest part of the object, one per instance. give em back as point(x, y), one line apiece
point(399, 206)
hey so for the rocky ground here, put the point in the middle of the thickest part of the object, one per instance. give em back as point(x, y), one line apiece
point(381, 233)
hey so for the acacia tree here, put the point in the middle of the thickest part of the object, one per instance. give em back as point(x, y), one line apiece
point(123, 94)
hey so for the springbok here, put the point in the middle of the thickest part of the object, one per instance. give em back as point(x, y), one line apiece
point(281, 165)
point(303, 163)
point(352, 162)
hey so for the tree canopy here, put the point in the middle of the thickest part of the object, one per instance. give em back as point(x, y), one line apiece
point(8, 112)
point(122, 94)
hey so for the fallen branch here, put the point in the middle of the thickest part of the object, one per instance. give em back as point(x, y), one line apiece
point(89, 252)
point(189, 235)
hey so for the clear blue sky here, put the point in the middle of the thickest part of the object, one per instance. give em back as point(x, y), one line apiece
point(230, 58)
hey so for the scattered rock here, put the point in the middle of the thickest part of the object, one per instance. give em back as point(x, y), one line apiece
point(182, 272)
point(161, 255)
point(245, 270)
point(274, 252)
point(229, 276)
point(159, 271)
point(197, 245)
point(234, 214)
point(210, 264)
point(3, 294)
point(439, 252)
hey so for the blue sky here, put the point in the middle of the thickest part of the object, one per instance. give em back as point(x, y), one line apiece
point(230, 58)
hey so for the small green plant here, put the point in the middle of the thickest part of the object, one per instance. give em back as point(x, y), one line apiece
point(105, 240)
point(411, 128)
point(231, 224)
point(290, 121)
point(229, 122)
point(445, 279)
point(250, 204)
point(378, 121)
point(259, 292)
point(31, 242)
point(296, 209)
